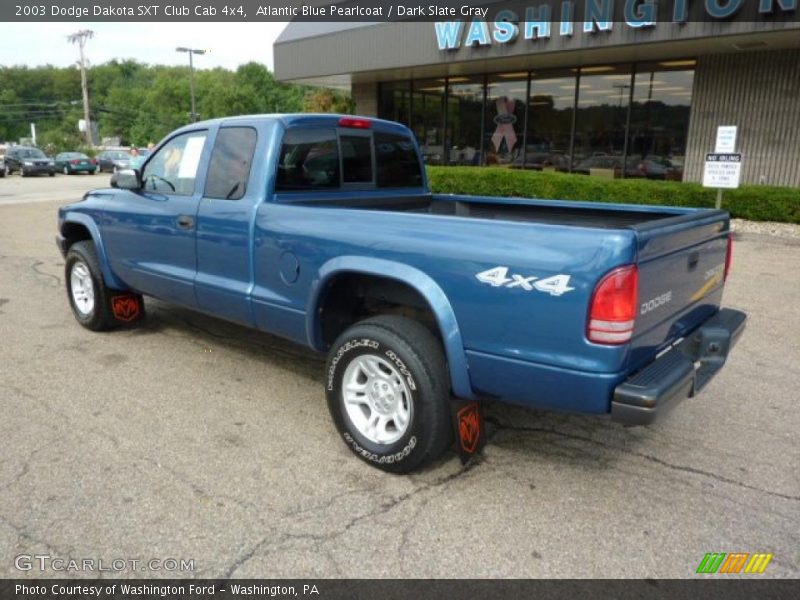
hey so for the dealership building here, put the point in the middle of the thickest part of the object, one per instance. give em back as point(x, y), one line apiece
point(637, 98)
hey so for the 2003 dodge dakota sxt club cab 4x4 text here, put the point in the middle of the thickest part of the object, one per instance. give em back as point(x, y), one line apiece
point(321, 229)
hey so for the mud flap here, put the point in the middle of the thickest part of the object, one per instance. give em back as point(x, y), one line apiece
point(470, 432)
point(127, 308)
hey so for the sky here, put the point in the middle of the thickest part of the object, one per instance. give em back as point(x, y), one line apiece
point(230, 44)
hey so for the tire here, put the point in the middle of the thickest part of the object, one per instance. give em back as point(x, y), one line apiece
point(52, 174)
point(94, 310)
point(22, 173)
point(408, 393)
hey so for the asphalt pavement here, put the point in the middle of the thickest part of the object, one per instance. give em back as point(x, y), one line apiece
point(200, 441)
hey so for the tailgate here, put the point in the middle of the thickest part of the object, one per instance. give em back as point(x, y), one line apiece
point(681, 265)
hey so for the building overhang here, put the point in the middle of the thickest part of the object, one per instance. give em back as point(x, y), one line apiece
point(338, 56)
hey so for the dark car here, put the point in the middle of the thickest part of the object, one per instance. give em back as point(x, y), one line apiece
point(28, 161)
point(540, 161)
point(602, 164)
point(111, 161)
point(75, 162)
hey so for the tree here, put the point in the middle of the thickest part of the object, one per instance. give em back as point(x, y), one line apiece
point(324, 100)
point(140, 103)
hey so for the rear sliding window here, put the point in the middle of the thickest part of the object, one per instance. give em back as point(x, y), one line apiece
point(356, 158)
point(317, 159)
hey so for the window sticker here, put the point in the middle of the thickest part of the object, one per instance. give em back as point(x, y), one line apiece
point(191, 157)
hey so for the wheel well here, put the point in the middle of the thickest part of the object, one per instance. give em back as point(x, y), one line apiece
point(74, 232)
point(353, 297)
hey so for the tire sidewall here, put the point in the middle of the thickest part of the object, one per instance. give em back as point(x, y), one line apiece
point(408, 449)
point(92, 319)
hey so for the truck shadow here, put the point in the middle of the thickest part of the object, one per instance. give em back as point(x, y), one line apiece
point(539, 435)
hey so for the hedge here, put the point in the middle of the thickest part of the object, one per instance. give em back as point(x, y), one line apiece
point(753, 202)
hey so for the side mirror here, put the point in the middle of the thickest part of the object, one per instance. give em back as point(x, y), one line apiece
point(126, 179)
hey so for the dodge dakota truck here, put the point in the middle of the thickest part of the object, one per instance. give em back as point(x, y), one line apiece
point(321, 229)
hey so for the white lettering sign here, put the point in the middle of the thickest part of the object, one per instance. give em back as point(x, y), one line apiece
point(722, 170)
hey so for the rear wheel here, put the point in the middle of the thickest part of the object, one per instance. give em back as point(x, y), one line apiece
point(388, 393)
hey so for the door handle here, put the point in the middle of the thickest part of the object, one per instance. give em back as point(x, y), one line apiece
point(185, 222)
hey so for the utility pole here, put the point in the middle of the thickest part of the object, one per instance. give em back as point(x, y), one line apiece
point(80, 38)
point(191, 51)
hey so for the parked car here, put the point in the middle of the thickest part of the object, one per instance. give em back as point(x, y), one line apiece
point(111, 161)
point(602, 163)
point(28, 161)
point(671, 170)
point(539, 161)
point(75, 162)
point(416, 297)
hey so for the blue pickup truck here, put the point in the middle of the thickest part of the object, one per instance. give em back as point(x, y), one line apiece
point(321, 229)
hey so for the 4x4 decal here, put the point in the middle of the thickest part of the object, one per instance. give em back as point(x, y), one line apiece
point(555, 285)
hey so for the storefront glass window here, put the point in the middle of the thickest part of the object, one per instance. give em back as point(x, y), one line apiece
point(504, 118)
point(395, 101)
point(461, 121)
point(464, 116)
point(659, 120)
point(427, 121)
point(550, 113)
point(602, 113)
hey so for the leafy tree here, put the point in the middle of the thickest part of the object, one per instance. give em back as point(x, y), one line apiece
point(324, 100)
point(139, 103)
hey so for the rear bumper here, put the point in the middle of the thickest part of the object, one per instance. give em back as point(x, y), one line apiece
point(680, 373)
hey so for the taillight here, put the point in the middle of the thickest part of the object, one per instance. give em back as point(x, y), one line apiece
point(729, 255)
point(612, 313)
point(355, 123)
point(74, 162)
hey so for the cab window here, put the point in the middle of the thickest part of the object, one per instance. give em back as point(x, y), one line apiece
point(397, 161)
point(231, 158)
point(173, 169)
point(309, 160)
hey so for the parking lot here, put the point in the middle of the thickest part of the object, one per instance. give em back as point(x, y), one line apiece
point(193, 439)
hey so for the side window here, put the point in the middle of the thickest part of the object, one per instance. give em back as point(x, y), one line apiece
point(231, 158)
point(173, 168)
point(356, 158)
point(396, 161)
point(309, 160)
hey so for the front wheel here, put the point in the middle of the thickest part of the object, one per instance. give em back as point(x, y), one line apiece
point(388, 393)
point(94, 305)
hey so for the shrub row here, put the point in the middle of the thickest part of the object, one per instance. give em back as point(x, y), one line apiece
point(753, 202)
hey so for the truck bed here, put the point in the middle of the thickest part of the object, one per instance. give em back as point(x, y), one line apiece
point(553, 212)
